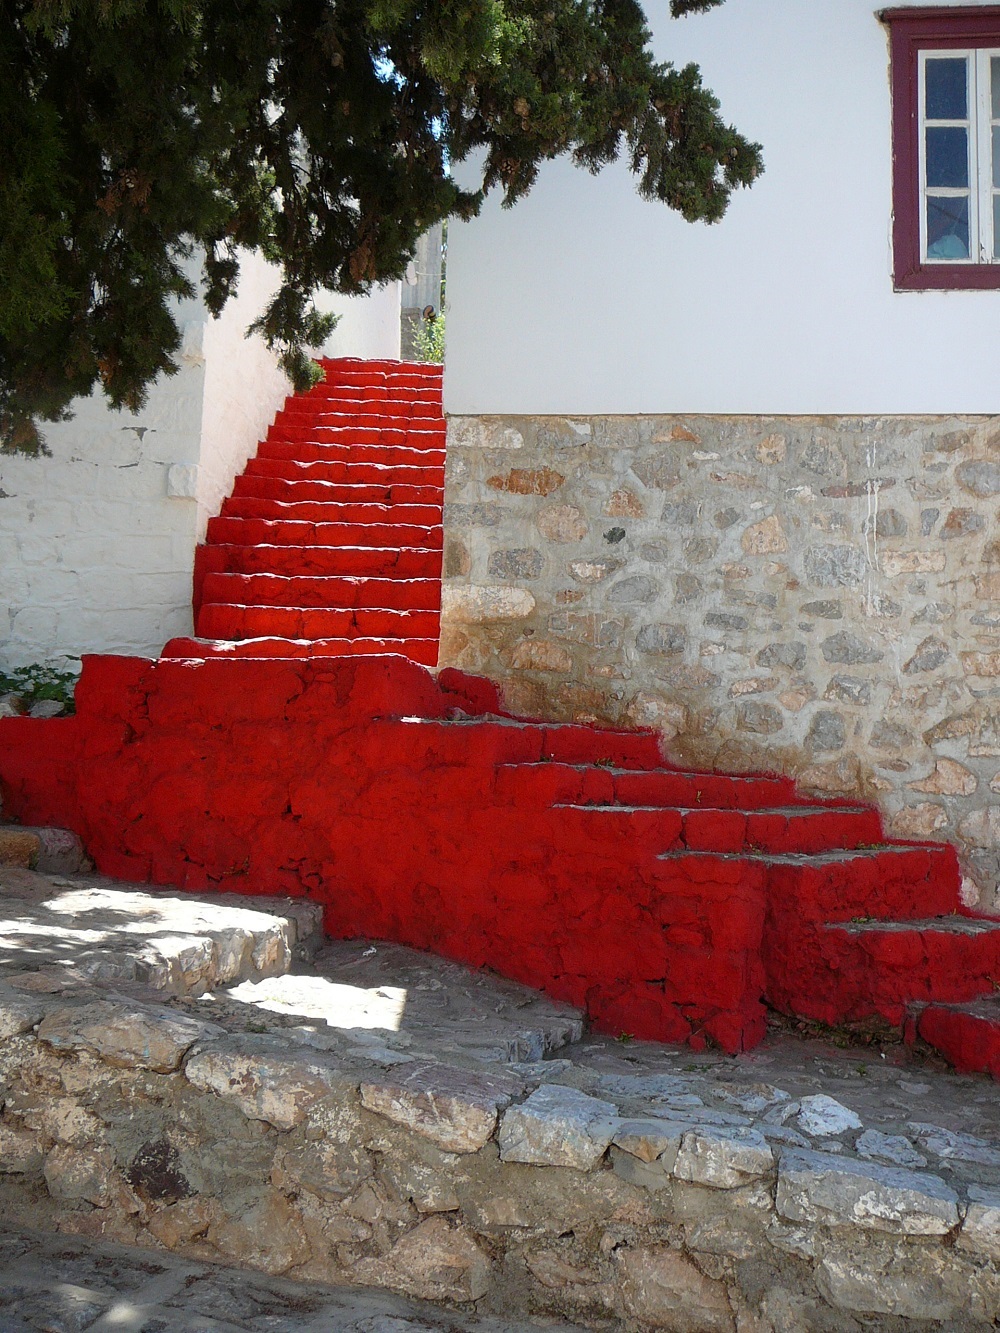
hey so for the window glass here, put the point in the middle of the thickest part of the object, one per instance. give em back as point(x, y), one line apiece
point(948, 227)
point(995, 85)
point(996, 226)
point(948, 89)
point(947, 158)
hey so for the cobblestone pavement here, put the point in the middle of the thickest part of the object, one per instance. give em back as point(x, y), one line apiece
point(59, 1284)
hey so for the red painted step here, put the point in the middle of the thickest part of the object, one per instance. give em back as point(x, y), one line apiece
point(277, 532)
point(350, 492)
point(220, 620)
point(317, 511)
point(332, 451)
point(606, 785)
point(402, 562)
point(424, 651)
point(320, 591)
point(347, 471)
point(967, 1035)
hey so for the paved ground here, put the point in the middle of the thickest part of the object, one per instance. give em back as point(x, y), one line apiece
point(59, 1284)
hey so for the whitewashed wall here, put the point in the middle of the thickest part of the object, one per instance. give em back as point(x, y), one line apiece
point(97, 541)
point(584, 299)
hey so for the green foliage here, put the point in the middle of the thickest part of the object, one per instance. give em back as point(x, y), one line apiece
point(34, 683)
point(148, 142)
point(428, 340)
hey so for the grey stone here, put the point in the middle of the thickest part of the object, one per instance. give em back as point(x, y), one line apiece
point(827, 731)
point(821, 1115)
point(60, 852)
point(948, 1144)
point(614, 536)
point(835, 566)
point(893, 1149)
point(981, 478)
point(725, 620)
point(725, 518)
point(523, 563)
point(890, 736)
point(928, 517)
point(849, 690)
point(47, 708)
point(657, 553)
point(759, 718)
point(848, 650)
point(18, 1012)
point(11, 705)
point(934, 613)
point(887, 523)
point(838, 1191)
point(823, 610)
point(558, 1126)
point(129, 1036)
point(699, 549)
point(790, 655)
point(962, 523)
point(723, 1157)
point(473, 515)
point(637, 589)
point(689, 588)
point(918, 1287)
point(751, 1097)
point(455, 1108)
point(664, 640)
point(931, 654)
point(981, 1225)
point(680, 515)
point(633, 1170)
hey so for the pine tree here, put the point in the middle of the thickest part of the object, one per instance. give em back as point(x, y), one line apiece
point(140, 133)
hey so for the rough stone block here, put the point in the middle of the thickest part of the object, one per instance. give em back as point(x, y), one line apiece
point(454, 1108)
point(981, 1225)
point(266, 1082)
point(435, 1262)
point(663, 1289)
point(558, 1126)
point(126, 1035)
point(814, 1187)
point(723, 1157)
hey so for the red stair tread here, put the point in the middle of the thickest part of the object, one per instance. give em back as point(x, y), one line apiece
point(967, 1035)
point(222, 620)
point(424, 651)
point(322, 591)
point(280, 532)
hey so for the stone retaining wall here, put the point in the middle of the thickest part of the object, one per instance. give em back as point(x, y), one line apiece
point(145, 1124)
point(811, 594)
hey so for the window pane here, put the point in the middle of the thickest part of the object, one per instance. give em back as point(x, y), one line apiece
point(996, 226)
point(947, 228)
point(996, 156)
point(948, 158)
point(995, 85)
point(947, 89)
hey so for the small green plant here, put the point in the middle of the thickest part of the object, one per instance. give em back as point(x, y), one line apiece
point(428, 339)
point(625, 1037)
point(34, 683)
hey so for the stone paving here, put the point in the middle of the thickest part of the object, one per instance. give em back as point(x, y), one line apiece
point(388, 1119)
point(59, 1284)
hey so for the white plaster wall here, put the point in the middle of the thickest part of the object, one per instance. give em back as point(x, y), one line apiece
point(369, 325)
point(585, 299)
point(244, 387)
point(95, 556)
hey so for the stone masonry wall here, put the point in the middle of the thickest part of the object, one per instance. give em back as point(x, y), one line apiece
point(815, 595)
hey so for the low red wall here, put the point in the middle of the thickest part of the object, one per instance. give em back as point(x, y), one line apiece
point(335, 779)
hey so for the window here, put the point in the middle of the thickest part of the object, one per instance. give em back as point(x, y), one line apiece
point(946, 146)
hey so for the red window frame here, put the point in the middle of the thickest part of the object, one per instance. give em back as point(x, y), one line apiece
point(912, 30)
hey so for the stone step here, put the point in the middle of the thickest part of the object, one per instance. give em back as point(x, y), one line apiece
point(797, 829)
point(67, 934)
point(350, 492)
point(218, 620)
point(967, 1035)
point(424, 651)
point(413, 562)
point(495, 742)
point(55, 851)
point(331, 511)
point(603, 784)
point(286, 532)
point(322, 591)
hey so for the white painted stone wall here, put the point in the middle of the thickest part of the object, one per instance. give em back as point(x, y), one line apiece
point(585, 299)
point(97, 541)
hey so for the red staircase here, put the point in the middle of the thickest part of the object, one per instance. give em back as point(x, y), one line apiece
point(331, 540)
point(316, 759)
